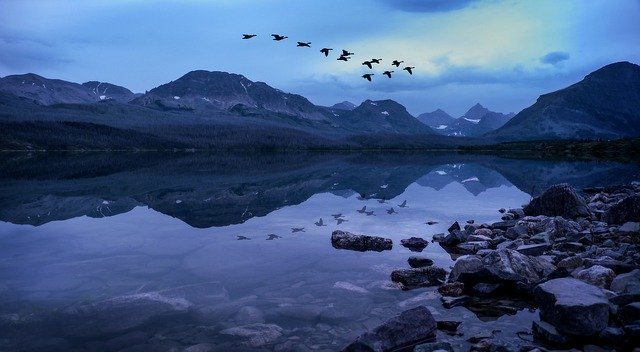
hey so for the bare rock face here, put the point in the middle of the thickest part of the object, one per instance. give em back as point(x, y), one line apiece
point(573, 306)
point(410, 327)
point(558, 200)
point(347, 240)
point(626, 210)
point(419, 277)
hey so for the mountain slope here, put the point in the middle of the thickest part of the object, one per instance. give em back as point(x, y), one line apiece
point(438, 120)
point(605, 104)
point(477, 121)
point(103, 90)
point(382, 116)
point(46, 91)
point(206, 91)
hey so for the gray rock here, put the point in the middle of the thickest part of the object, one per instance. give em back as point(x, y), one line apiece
point(570, 263)
point(484, 289)
point(612, 335)
point(630, 227)
point(548, 333)
point(347, 240)
point(410, 327)
point(630, 313)
point(615, 265)
point(419, 262)
point(597, 275)
point(419, 277)
point(517, 231)
point(452, 289)
point(573, 306)
point(255, 335)
point(415, 244)
point(453, 238)
point(533, 249)
point(542, 237)
point(627, 283)
point(433, 347)
point(483, 232)
point(510, 244)
point(626, 210)
point(450, 302)
point(472, 247)
point(454, 227)
point(503, 225)
point(558, 200)
point(465, 264)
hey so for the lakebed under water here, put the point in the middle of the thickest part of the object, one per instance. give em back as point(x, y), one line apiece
point(155, 251)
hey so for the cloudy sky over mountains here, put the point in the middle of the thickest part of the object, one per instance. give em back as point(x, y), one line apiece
point(502, 53)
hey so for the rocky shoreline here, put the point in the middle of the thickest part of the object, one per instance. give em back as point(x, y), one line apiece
point(573, 257)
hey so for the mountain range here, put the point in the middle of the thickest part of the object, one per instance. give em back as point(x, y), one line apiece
point(477, 121)
point(212, 109)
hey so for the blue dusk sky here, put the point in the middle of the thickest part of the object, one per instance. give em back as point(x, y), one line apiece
point(500, 53)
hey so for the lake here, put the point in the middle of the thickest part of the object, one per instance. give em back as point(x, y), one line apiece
point(175, 251)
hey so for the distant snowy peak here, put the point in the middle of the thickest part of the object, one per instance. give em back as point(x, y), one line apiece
point(436, 119)
point(105, 91)
point(477, 121)
point(345, 105)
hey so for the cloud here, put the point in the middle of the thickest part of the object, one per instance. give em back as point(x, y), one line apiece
point(429, 5)
point(554, 58)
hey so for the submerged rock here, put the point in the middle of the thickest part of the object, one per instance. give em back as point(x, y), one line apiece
point(419, 277)
point(255, 335)
point(410, 327)
point(347, 240)
point(415, 244)
point(451, 289)
point(419, 262)
point(573, 306)
point(558, 200)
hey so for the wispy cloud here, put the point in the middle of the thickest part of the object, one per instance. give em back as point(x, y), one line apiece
point(555, 58)
point(429, 5)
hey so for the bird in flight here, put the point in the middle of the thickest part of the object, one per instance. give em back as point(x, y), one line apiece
point(368, 64)
point(369, 213)
point(308, 45)
point(408, 69)
point(403, 204)
point(343, 58)
point(320, 223)
point(375, 61)
point(248, 36)
point(388, 73)
point(278, 37)
point(325, 51)
point(361, 211)
point(341, 220)
point(391, 211)
point(396, 63)
point(297, 229)
point(242, 238)
point(346, 53)
point(431, 223)
point(367, 76)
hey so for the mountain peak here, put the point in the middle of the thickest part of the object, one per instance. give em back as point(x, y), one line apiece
point(617, 71)
point(345, 105)
point(476, 112)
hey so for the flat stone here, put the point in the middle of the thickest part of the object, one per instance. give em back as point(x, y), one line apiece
point(503, 225)
point(533, 249)
point(630, 227)
point(255, 335)
point(419, 277)
point(434, 347)
point(573, 306)
point(347, 240)
point(548, 333)
point(450, 302)
point(570, 263)
point(627, 283)
point(410, 327)
point(419, 262)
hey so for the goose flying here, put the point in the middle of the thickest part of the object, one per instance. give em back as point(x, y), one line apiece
point(367, 76)
point(408, 69)
point(368, 64)
point(396, 63)
point(387, 73)
point(325, 51)
point(278, 37)
point(248, 36)
point(308, 44)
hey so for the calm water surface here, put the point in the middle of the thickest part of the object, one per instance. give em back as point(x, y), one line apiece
point(154, 252)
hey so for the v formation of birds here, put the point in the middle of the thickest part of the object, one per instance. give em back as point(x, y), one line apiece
point(345, 56)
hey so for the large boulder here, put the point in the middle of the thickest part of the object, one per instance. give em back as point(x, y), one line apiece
point(626, 210)
point(627, 283)
point(573, 306)
point(419, 277)
point(410, 327)
point(415, 244)
point(347, 240)
point(558, 200)
point(503, 265)
point(597, 275)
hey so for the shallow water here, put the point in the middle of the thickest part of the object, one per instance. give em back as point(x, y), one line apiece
point(109, 251)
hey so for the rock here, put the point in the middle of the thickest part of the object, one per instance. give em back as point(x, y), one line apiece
point(627, 283)
point(630, 313)
point(415, 244)
point(201, 347)
point(346, 240)
point(450, 302)
point(632, 332)
point(548, 333)
point(558, 200)
point(472, 247)
point(573, 306)
point(433, 347)
point(448, 325)
point(419, 277)
point(630, 227)
point(504, 225)
point(502, 265)
point(510, 244)
point(484, 289)
point(126, 340)
point(570, 263)
point(615, 265)
point(533, 249)
point(597, 275)
point(612, 335)
point(626, 210)
point(255, 335)
point(453, 238)
point(542, 237)
point(454, 227)
point(419, 262)
point(483, 232)
point(452, 289)
point(516, 232)
point(410, 327)
point(478, 238)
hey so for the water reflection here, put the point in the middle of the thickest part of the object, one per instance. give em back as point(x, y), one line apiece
point(166, 251)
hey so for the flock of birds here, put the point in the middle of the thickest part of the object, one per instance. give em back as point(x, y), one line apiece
point(344, 56)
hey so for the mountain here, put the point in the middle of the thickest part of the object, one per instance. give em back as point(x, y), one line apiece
point(206, 91)
point(46, 91)
point(605, 104)
point(382, 116)
point(103, 90)
point(345, 105)
point(438, 120)
point(477, 121)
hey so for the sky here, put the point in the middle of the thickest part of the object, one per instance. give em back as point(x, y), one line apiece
point(500, 53)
